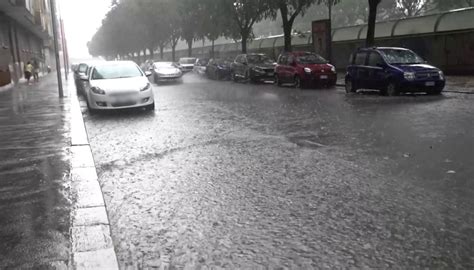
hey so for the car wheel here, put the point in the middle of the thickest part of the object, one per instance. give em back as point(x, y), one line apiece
point(233, 76)
point(150, 107)
point(391, 89)
point(350, 87)
point(298, 83)
point(277, 80)
point(435, 92)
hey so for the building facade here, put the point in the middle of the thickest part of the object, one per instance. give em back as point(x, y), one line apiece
point(25, 35)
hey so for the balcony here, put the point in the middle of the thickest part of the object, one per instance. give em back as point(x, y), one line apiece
point(21, 12)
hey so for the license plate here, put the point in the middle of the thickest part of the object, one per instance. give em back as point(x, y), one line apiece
point(430, 83)
point(324, 76)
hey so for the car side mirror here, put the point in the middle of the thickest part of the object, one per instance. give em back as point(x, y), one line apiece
point(148, 73)
point(83, 77)
point(245, 63)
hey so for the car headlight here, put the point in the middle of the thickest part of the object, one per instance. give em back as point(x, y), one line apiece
point(97, 90)
point(441, 75)
point(147, 87)
point(409, 76)
point(333, 68)
point(307, 70)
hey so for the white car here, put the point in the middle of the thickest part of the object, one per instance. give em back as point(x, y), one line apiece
point(187, 63)
point(118, 85)
point(165, 71)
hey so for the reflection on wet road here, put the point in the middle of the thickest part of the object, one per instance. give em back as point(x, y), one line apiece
point(34, 177)
point(249, 176)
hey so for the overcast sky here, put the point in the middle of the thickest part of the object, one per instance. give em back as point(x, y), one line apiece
point(81, 20)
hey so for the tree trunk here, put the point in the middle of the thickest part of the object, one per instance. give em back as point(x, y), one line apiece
point(287, 27)
point(173, 52)
point(190, 47)
point(162, 48)
point(144, 55)
point(212, 48)
point(329, 52)
point(152, 54)
point(245, 36)
point(372, 19)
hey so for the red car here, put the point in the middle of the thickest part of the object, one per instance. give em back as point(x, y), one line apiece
point(304, 69)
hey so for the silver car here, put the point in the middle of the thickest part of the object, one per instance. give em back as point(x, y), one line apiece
point(165, 71)
point(187, 63)
point(118, 85)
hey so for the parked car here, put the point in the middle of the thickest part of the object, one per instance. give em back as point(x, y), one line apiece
point(392, 70)
point(253, 67)
point(165, 71)
point(200, 66)
point(218, 69)
point(187, 63)
point(79, 70)
point(304, 69)
point(118, 85)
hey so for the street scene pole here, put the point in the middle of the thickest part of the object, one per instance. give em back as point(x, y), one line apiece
point(56, 47)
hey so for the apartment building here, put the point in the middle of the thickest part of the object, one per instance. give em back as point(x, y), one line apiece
point(25, 35)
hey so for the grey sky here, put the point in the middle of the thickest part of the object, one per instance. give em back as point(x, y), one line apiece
point(82, 19)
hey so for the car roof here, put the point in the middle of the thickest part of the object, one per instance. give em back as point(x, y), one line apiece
point(114, 63)
point(383, 48)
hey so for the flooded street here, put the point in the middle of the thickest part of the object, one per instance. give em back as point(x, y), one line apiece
point(249, 176)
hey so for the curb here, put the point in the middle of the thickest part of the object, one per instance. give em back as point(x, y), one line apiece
point(91, 239)
point(446, 91)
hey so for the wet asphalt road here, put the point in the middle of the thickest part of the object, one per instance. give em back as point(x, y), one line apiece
point(254, 176)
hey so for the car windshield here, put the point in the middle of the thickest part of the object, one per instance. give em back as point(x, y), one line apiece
point(395, 56)
point(164, 65)
point(311, 58)
point(259, 59)
point(118, 71)
point(187, 60)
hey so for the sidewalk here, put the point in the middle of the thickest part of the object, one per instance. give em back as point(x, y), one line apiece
point(51, 205)
point(455, 84)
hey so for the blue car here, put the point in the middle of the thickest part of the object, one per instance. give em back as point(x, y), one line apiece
point(392, 71)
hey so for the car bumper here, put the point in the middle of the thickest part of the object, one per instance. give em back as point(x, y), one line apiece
point(422, 86)
point(321, 79)
point(268, 76)
point(101, 102)
point(167, 78)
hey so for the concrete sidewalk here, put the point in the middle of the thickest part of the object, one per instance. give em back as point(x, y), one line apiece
point(50, 206)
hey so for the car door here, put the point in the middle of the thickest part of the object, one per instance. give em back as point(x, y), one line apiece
point(291, 68)
point(375, 71)
point(280, 69)
point(360, 69)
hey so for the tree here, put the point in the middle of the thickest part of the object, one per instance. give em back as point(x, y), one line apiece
point(289, 11)
point(244, 13)
point(213, 22)
point(189, 12)
point(410, 8)
point(373, 4)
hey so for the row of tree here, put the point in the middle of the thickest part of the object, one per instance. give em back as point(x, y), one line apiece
point(141, 26)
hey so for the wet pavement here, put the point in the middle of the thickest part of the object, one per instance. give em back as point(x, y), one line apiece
point(34, 177)
point(230, 175)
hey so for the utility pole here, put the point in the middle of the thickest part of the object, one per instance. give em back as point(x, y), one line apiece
point(52, 3)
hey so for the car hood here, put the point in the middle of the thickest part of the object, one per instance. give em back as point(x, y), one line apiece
point(167, 71)
point(121, 85)
point(187, 65)
point(318, 67)
point(263, 66)
point(414, 67)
